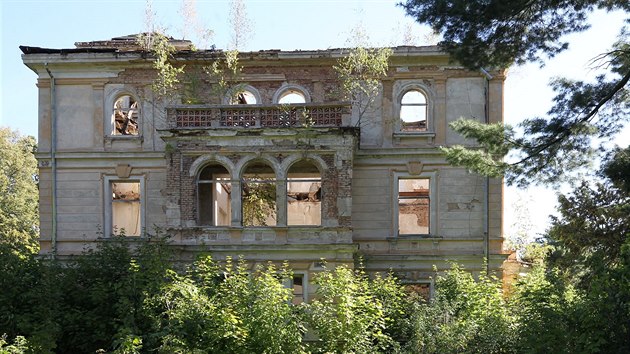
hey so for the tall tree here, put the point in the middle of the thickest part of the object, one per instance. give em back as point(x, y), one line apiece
point(19, 217)
point(498, 33)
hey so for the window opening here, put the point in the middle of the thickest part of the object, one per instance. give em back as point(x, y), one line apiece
point(292, 97)
point(125, 116)
point(214, 193)
point(413, 206)
point(259, 195)
point(297, 283)
point(244, 97)
point(126, 208)
point(413, 111)
point(304, 194)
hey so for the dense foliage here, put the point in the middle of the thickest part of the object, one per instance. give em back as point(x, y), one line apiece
point(19, 218)
point(496, 34)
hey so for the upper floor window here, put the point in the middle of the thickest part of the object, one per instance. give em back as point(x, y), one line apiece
point(242, 94)
point(413, 111)
point(125, 116)
point(214, 196)
point(292, 97)
point(291, 94)
point(259, 195)
point(304, 194)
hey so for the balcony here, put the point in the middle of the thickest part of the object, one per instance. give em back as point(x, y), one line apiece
point(259, 116)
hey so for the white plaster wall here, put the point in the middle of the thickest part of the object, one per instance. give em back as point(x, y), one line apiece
point(75, 117)
point(464, 99)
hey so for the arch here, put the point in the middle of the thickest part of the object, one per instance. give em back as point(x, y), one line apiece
point(291, 89)
point(201, 161)
point(250, 91)
point(314, 158)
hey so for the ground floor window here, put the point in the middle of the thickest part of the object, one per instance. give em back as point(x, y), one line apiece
point(124, 207)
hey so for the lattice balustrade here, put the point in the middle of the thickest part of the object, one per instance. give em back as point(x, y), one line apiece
point(193, 118)
point(241, 117)
point(316, 115)
point(280, 117)
point(326, 116)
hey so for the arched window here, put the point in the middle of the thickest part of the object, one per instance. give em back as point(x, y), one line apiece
point(244, 97)
point(304, 194)
point(258, 195)
point(413, 111)
point(292, 97)
point(125, 116)
point(214, 195)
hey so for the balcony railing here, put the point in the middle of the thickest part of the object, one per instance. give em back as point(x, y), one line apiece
point(259, 116)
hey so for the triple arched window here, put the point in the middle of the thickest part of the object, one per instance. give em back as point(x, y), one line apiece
point(265, 199)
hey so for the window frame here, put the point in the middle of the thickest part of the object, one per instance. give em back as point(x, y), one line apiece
point(112, 93)
point(229, 96)
point(289, 283)
point(289, 88)
point(108, 203)
point(399, 91)
point(319, 180)
point(432, 177)
point(275, 180)
point(232, 183)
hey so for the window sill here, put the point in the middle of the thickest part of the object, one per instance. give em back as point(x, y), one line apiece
point(116, 142)
point(416, 237)
point(424, 137)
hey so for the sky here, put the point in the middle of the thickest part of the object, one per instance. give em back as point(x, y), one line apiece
point(277, 24)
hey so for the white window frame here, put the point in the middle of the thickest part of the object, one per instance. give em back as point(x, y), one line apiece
point(107, 193)
point(432, 177)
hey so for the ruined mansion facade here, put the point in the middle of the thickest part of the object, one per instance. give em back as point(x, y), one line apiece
point(276, 167)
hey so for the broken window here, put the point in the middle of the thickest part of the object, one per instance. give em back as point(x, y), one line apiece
point(244, 97)
point(292, 97)
point(125, 116)
point(125, 208)
point(214, 195)
point(413, 206)
point(413, 111)
point(259, 195)
point(304, 194)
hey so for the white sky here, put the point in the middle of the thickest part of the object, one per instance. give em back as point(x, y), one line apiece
point(279, 24)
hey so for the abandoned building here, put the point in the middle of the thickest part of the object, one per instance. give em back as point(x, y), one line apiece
point(277, 167)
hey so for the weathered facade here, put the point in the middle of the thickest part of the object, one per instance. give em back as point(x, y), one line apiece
point(276, 168)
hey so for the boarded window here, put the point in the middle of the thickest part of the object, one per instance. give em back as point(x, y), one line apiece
point(413, 206)
point(126, 208)
point(304, 194)
point(125, 116)
point(214, 193)
point(413, 111)
point(259, 195)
